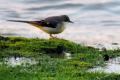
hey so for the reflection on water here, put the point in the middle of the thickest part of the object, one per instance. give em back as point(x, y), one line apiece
point(95, 21)
point(23, 61)
point(67, 55)
point(112, 66)
point(12, 61)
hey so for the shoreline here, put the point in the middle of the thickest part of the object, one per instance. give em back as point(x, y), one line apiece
point(100, 45)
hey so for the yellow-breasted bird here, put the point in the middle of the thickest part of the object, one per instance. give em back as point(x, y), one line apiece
point(50, 25)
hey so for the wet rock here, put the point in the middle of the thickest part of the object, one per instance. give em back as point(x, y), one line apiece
point(106, 57)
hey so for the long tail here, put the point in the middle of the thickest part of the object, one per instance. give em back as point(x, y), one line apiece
point(19, 21)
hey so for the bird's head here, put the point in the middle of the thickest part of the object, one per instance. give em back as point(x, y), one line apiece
point(66, 18)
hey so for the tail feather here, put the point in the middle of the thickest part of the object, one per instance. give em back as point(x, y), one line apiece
point(19, 21)
point(35, 23)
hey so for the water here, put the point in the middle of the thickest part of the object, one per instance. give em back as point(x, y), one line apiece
point(96, 22)
point(19, 61)
point(23, 61)
point(112, 66)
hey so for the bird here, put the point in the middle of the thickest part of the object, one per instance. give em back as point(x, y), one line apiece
point(51, 25)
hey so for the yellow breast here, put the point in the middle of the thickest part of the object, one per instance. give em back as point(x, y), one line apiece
point(60, 28)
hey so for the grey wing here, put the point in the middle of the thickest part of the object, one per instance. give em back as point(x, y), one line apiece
point(45, 23)
point(52, 23)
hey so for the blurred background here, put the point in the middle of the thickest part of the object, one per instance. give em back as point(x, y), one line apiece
point(96, 22)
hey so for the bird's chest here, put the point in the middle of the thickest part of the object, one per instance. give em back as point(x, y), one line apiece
point(58, 29)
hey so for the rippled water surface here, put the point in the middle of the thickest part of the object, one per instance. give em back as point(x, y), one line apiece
point(112, 66)
point(96, 22)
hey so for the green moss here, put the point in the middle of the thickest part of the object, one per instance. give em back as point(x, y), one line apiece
point(53, 68)
point(22, 45)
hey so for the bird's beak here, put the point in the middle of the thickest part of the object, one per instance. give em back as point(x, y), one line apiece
point(71, 21)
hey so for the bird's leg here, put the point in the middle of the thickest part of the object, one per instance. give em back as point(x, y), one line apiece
point(51, 36)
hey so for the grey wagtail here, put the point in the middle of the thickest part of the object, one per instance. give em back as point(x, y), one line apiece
point(50, 25)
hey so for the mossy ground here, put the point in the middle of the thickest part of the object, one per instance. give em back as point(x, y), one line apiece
point(51, 66)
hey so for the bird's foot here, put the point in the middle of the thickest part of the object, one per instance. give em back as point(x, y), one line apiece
point(53, 38)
